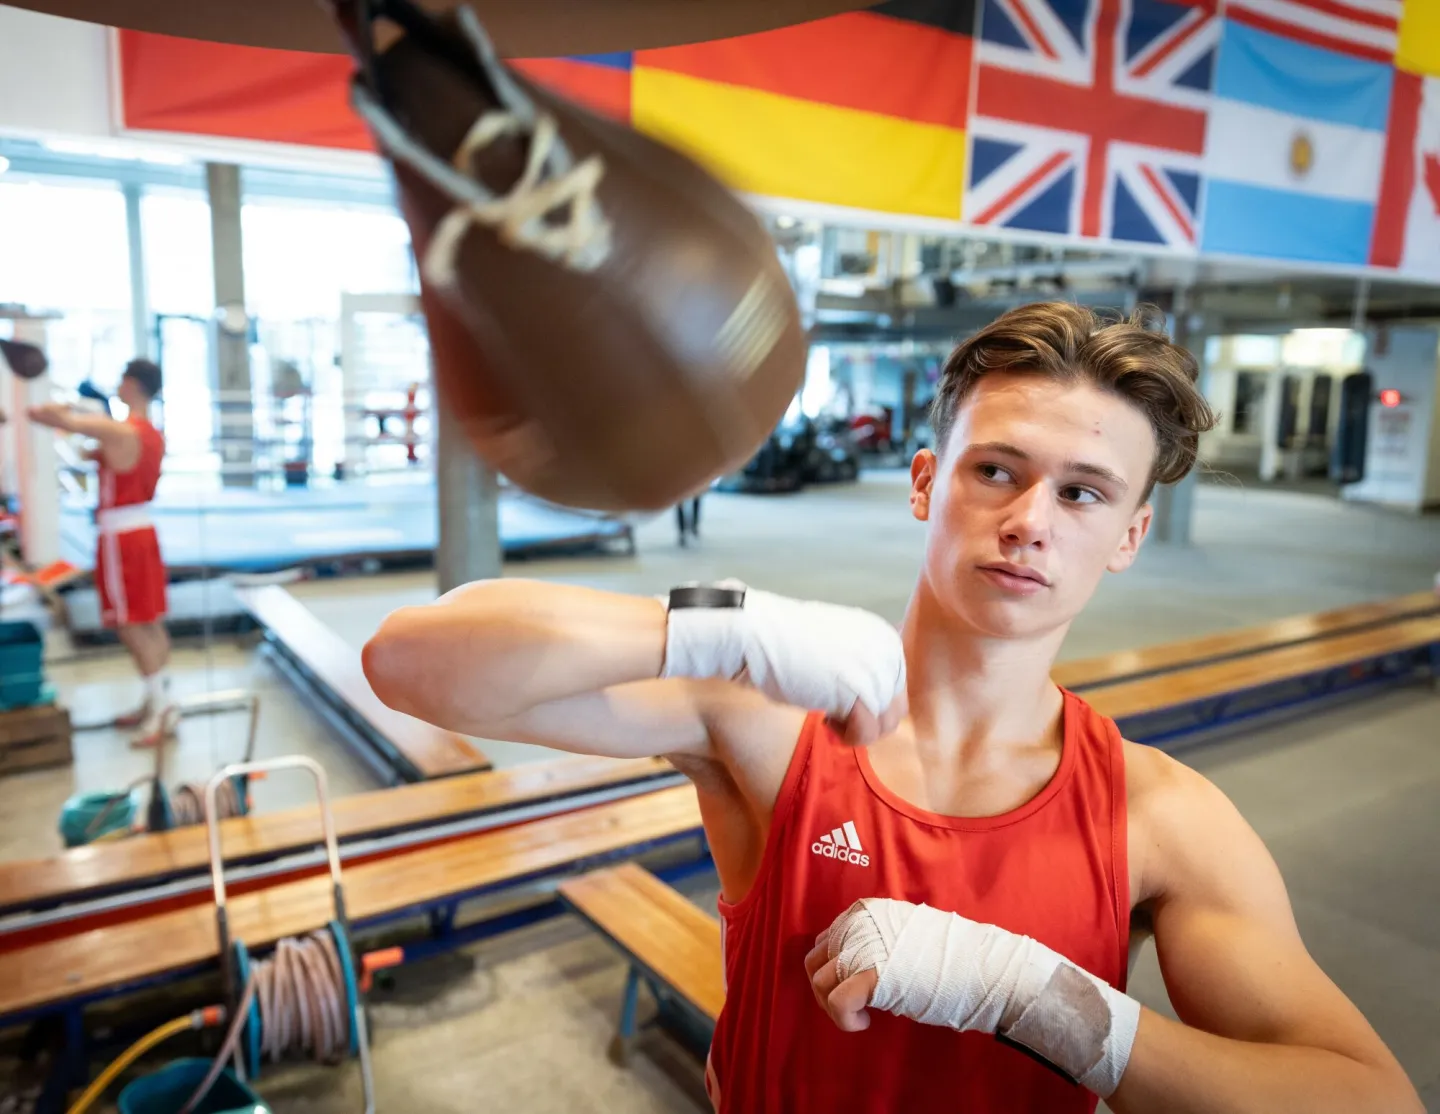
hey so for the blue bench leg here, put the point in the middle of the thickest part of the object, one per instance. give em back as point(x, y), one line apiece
point(629, 1007)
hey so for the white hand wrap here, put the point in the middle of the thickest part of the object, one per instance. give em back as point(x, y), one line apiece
point(941, 969)
point(816, 656)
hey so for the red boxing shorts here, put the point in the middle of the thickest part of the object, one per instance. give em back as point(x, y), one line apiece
point(130, 576)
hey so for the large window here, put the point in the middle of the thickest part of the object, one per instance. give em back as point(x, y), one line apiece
point(63, 249)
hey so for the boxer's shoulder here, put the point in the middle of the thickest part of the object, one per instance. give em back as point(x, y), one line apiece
point(1182, 828)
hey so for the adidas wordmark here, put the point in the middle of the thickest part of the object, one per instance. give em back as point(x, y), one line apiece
point(841, 843)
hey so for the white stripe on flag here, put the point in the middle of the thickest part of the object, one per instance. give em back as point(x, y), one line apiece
point(852, 836)
point(1262, 147)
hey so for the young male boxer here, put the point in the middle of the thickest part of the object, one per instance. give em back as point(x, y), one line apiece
point(129, 572)
point(960, 895)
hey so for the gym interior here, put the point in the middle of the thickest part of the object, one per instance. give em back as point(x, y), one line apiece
point(527, 930)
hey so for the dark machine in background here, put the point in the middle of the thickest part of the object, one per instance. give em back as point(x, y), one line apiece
point(800, 451)
point(1347, 463)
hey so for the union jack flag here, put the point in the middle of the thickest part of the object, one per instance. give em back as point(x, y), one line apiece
point(1090, 117)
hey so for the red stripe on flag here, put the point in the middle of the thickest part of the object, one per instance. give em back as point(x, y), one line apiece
point(1306, 35)
point(1170, 47)
point(1032, 29)
point(204, 88)
point(604, 89)
point(1031, 179)
point(1353, 15)
point(859, 60)
point(1162, 190)
point(1397, 183)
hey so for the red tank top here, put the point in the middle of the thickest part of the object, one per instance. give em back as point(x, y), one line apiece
point(126, 489)
point(1053, 869)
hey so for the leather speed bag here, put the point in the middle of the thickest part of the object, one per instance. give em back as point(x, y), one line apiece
point(610, 325)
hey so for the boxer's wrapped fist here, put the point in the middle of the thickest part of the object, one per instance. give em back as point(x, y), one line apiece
point(843, 661)
point(940, 968)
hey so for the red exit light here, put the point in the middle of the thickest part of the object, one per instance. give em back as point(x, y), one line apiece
point(1390, 397)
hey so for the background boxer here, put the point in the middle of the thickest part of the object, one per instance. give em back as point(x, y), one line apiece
point(129, 571)
point(1039, 842)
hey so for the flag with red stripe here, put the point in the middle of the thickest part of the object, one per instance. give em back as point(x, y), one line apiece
point(1361, 28)
point(1090, 118)
point(1407, 219)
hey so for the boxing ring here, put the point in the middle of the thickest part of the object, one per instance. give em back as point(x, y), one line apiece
point(253, 530)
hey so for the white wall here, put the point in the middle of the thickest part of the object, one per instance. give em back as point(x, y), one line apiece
point(1402, 456)
point(54, 76)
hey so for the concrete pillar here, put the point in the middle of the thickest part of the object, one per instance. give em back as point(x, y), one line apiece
point(1174, 504)
point(139, 288)
point(232, 331)
point(468, 503)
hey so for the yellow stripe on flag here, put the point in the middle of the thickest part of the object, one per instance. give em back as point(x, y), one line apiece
point(1419, 49)
point(779, 146)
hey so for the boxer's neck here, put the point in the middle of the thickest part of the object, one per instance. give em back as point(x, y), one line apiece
point(971, 693)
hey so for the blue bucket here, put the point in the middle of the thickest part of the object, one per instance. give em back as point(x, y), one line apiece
point(79, 813)
point(22, 677)
point(165, 1092)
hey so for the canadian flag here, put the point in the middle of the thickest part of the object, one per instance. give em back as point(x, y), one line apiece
point(1407, 220)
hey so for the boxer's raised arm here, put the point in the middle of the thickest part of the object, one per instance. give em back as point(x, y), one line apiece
point(604, 673)
point(119, 442)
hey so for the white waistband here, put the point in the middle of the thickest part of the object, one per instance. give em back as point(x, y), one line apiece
point(121, 520)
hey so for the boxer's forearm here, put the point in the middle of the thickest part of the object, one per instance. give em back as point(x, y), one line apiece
point(1175, 1069)
point(491, 651)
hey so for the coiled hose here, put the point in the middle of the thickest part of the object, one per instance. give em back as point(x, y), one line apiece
point(303, 1007)
point(187, 803)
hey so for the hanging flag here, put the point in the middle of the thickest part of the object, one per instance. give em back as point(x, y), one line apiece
point(1407, 223)
point(1361, 28)
point(1419, 48)
point(599, 81)
point(865, 110)
point(1090, 118)
point(1297, 138)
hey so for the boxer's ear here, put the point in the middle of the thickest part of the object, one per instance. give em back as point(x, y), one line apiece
point(922, 484)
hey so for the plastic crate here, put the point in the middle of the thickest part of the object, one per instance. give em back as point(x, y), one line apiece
point(166, 1091)
point(22, 674)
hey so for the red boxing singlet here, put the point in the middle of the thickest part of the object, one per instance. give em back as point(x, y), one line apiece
point(128, 489)
point(1053, 869)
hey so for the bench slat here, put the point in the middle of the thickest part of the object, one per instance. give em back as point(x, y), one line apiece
point(431, 750)
point(1130, 664)
point(28, 882)
point(1133, 698)
point(72, 966)
point(657, 925)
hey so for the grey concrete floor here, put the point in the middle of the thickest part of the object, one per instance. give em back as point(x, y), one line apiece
point(1347, 801)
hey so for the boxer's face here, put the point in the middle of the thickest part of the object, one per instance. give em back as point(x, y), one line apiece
point(1034, 496)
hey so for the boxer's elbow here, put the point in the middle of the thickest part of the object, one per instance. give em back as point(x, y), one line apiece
point(398, 661)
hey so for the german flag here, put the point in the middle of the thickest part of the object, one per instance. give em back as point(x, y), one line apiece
point(601, 82)
point(865, 110)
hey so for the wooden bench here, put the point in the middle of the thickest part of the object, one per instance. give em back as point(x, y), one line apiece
point(1127, 665)
point(90, 965)
point(1236, 688)
point(86, 872)
point(103, 961)
point(672, 945)
point(413, 749)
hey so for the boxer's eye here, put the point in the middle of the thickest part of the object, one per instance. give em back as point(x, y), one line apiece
point(1081, 495)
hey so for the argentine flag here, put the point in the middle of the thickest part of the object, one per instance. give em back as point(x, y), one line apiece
point(1294, 149)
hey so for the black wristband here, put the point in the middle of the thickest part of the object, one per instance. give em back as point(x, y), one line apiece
point(706, 595)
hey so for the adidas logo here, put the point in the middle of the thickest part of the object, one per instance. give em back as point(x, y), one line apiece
point(841, 843)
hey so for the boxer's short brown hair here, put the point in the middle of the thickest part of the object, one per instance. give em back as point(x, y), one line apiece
point(1132, 358)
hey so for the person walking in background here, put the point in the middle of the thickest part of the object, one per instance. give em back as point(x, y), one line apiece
point(129, 571)
point(688, 524)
